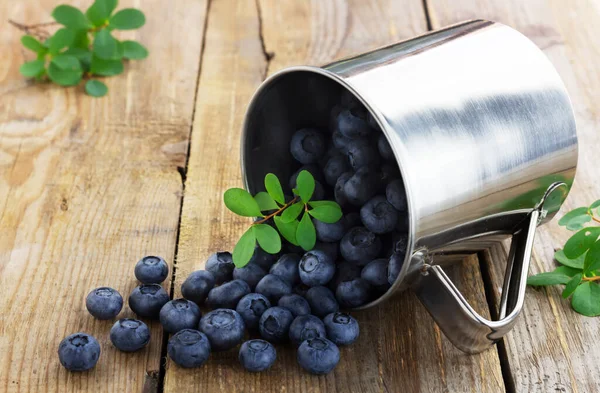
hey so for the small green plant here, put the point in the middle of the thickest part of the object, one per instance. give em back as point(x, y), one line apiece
point(580, 262)
point(271, 204)
point(84, 46)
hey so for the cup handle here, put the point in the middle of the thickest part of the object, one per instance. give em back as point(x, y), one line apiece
point(463, 326)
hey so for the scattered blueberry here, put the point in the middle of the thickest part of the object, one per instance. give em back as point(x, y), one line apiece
point(351, 125)
point(228, 294)
point(224, 328)
point(257, 355)
point(316, 268)
point(330, 232)
point(355, 293)
point(220, 264)
point(306, 327)
point(274, 324)
point(395, 266)
point(295, 303)
point(360, 246)
point(179, 314)
point(375, 273)
point(79, 352)
point(307, 145)
point(251, 274)
point(251, 307)
point(147, 300)
point(129, 335)
point(286, 267)
point(341, 328)
point(151, 270)
point(334, 168)
point(322, 301)
point(342, 142)
point(385, 150)
point(273, 287)
point(361, 186)
point(189, 348)
point(362, 154)
point(197, 286)
point(318, 356)
point(378, 215)
point(396, 195)
point(104, 303)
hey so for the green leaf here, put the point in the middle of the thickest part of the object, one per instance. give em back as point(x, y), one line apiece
point(60, 40)
point(265, 202)
point(105, 67)
point(562, 258)
point(292, 212)
point(592, 258)
point(548, 278)
point(32, 68)
point(305, 183)
point(327, 213)
point(33, 44)
point(268, 238)
point(595, 204)
point(244, 249)
point(127, 19)
point(586, 299)
point(581, 241)
point(576, 223)
point(95, 88)
point(63, 77)
point(81, 40)
point(323, 203)
point(274, 188)
point(580, 211)
point(305, 234)
point(241, 203)
point(572, 285)
point(100, 11)
point(566, 270)
point(287, 229)
point(66, 62)
point(105, 46)
point(133, 50)
point(71, 17)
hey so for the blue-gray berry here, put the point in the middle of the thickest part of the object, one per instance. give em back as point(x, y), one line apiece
point(318, 356)
point(79, 352)
point(104, 303)
point(147, 300)
point(179, 314)
point(129, 335)
point(257, 355)
point(251, 307)
point(306, 327)
point(224, 328)
point(189, 348)
point(341, 328)
point(228, 294)
point(274, 324)
point(151, 270)
point(220, 264)
point(197, 286)
point(295, 303)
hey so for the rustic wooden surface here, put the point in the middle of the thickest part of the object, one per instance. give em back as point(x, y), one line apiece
point(87, 186)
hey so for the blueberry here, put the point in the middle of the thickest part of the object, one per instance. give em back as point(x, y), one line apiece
point(129, 335)
point(375, 273)
point(197, 286)
point(330, 232)
point(189, 348)
point(79, 352)
point(274, 324)
point(179, 314)
point(301, 290)
point(334, 168)
point(151, 270)
point(307, 145)
point(360, 246)
point(286, 267)
point(306, 327)
point(400, 243)
point(257, 355)
point(104, 303)
point(273, 287)
point(342, 142)
point(372, 122)
point(345, 271)
point(220, 264)
point(385, 150)
point(351, 125)
point(353, 293)
point(361, 186)
point(316, 268)
point(318, 356)
point(330, 249)
point(295, 303)
point(224, 328)
point(333, 114)
point(251, 307)
point(147, 300)
point(228, 294)
point(395, 266)
point(251, 274)
point(318, 193)
point(338, 190)
point(378, 215)
point(312, 168)
point(262, 258)
point(322, 301)
point(362, 154)
point(341, 328)
point(396, 195)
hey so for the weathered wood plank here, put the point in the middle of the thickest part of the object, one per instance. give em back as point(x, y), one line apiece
point(87, 187)
point(400, 348)
point(549, 348)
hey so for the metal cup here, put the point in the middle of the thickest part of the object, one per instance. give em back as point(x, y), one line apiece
point(484, 134)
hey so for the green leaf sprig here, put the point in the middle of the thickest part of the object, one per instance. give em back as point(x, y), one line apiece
point(580, 262)
point(292, 219)
point(84, 46)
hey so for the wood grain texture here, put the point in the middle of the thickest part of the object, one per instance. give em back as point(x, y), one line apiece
point(551, 347)
point(87, 187)
point(400, 349)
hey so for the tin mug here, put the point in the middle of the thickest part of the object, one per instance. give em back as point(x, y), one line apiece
point(483, 131)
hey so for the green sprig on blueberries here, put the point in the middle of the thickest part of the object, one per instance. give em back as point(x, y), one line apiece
point(292, 218)
point(580, 262)
point(84, 46)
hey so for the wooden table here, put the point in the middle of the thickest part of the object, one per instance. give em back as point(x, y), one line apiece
point(87, 186)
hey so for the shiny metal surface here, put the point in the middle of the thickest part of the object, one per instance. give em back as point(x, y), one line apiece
point(482, 128)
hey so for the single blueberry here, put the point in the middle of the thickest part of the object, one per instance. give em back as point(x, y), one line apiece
point(273, 287)
point(295, 303)
point(361, 186)
point(322, 301)
point(179, 314)
point(396, 195)
point(228, 294)
point(355, 293)
point(224, 328)
point(262, 258)
point(385, 150)
point(375, 273)
point(318, 356)
point(147, 300)
point(307, 145)
point(129, 335)
point(189, 348)
point(352, 125)
point(330, 249)
point(274, 324)
point(286, 267)
point(306, 327)
point(330, 233)
point(341, 328)
point(220, 264)
point(338, 190)
point(251, 307)
point(316, 268)
point(251, 274)
point(345, 271)
point(314, 170)
point(104, 303)
point(360, 246)
point(361, 154)
point(378, 215)
point(197, 286)
point(79, 352)
point(257, 355)
point(334, 168)
point(395, 266)
point(151, 270)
